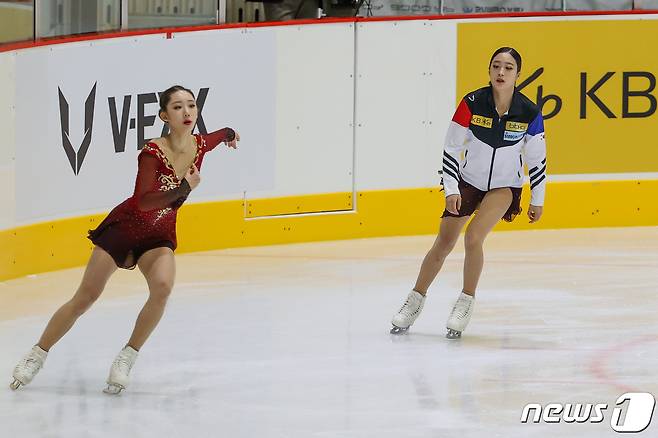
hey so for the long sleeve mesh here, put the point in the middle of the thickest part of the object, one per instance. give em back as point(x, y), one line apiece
point(147, 195)
point(216, 137)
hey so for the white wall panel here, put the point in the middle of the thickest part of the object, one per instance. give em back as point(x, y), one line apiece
point(242, 65)
point(7, 145)
point(314, 110)
point(404, 100)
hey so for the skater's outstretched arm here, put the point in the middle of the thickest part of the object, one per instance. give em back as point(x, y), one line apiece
point(224, 135)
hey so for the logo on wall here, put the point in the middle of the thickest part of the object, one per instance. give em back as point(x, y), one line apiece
point(120, 121)
point(76, 158)
point(588, 91)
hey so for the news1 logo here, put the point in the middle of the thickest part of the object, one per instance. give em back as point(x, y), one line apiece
point(632, 414)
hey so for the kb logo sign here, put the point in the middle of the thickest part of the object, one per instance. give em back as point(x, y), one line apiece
point(588, 93)
point(633, 413)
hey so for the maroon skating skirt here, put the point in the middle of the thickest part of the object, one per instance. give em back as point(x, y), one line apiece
point(472, 197)
point(126, 233)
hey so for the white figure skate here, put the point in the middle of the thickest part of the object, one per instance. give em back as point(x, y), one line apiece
point(120, 371)
point(460, 316)
point(408, 313)
point(28, 367)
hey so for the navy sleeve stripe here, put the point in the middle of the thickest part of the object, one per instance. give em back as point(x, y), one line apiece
point(536, 183)
point(535, 175)
point(448, 156)
point(447, 163)
point(447, 171)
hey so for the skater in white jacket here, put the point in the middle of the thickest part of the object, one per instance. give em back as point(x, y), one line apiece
point(494, 131)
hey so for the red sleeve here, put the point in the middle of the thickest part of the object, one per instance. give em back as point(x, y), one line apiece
point(146, 194)
point(462, 114)
point(214, 138)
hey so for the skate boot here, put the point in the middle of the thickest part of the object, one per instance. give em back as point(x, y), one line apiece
point(120, 370)
point(460, 315)
point(28, 367)
point(408, 313)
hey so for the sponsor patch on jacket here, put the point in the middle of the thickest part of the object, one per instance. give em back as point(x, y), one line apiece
point(485, 122)
point(516, 126)
point(513, 136)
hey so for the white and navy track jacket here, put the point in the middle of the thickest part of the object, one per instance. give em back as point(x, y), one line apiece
point(488, 151)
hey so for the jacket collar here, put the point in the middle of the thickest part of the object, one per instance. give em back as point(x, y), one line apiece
point(515, 106)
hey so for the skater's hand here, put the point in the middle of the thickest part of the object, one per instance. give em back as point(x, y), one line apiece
point(193, 177)
point(233, 144)
point(453, 203)
point(535, 212)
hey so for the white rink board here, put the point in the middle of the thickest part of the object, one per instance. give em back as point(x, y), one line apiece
point(405, 99)
point(321, 108)
point(7, 145)
point(314, 110)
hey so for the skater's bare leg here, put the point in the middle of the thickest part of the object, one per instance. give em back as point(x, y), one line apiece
point(99, 269)
point(448, 234)
point(159, 269)
point(492, 208)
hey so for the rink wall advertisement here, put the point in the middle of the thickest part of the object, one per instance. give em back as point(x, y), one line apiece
point(597, 90)
point(339, 140)
point(85, 110)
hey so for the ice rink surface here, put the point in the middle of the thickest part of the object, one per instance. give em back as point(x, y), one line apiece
point(293, 341)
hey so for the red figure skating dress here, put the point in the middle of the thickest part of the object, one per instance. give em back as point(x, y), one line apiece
point(147, 219)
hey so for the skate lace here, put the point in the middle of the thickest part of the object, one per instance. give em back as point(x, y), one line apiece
point(407, 308)
point(461, 308)
point(123, 363)
point(31, 364)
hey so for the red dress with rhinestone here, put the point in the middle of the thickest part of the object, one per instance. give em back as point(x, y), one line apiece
point(147, 219)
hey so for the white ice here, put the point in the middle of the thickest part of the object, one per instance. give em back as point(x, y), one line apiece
point(293, 341)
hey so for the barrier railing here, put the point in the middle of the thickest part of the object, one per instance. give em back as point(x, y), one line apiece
point(23, 20)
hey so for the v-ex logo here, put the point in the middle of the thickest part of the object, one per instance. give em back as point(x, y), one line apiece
point(77, 158)
point(120, 121)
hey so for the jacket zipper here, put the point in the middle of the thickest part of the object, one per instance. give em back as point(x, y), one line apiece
point(497, 142)
point(493, 156)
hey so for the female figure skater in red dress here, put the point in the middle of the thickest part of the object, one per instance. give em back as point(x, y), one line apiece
point(140, 232)
point(494, 131)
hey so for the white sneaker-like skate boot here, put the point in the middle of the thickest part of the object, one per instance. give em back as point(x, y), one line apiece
point(28, 367)
point(408, 313)
point(460, 315)
point(120, 371)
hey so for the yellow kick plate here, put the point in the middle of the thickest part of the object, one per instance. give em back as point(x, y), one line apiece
point(299, 204)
